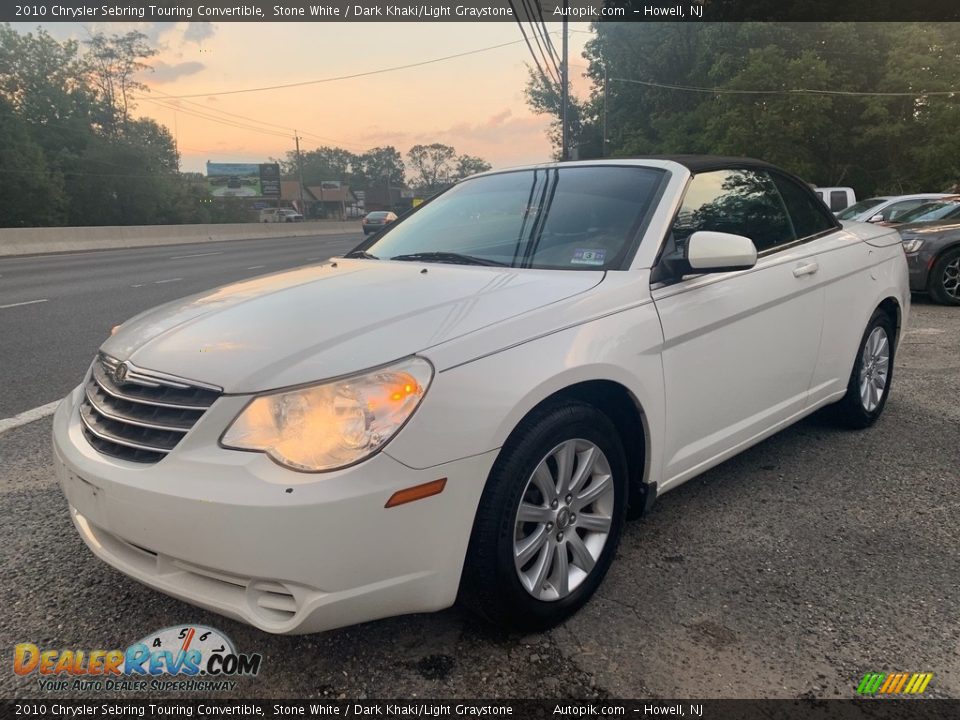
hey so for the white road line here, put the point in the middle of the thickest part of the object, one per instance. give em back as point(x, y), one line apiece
point(256, 267)
point(28, 416)
point(138, 285)
point(161, 282)
point(28, 302)
point(181, 257)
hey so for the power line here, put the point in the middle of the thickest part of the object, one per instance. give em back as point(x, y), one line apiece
point(347, 77)
point(536, 60)
point(535, 32)
point(545, 33)
point(799, 91)
point(165, 96)
point(213, 118)
point(168, 102)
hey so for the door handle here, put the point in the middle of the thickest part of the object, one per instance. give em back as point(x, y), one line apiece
point(806, 269)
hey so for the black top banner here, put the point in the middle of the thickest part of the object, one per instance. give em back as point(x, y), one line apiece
point(480, 10)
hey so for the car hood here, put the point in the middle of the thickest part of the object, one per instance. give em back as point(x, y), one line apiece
point(332, 319)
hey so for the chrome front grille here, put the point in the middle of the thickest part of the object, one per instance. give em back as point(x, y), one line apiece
point(140, 415)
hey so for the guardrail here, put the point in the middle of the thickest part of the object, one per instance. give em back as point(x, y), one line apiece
point(36, 241)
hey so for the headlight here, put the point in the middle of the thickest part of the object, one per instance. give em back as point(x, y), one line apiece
point(912, 245)
point(332, 424)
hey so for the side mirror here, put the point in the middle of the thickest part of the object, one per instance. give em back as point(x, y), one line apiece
point(876, 218)
point(709, 251)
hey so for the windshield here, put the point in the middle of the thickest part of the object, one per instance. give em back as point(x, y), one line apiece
point(570, 218)
point(940, 210)
point(861, 207)
point(376, 215)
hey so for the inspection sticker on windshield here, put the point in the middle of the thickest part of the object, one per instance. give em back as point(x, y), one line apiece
point(588, 257)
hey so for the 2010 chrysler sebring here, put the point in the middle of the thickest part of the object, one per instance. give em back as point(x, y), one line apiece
point(470, 402)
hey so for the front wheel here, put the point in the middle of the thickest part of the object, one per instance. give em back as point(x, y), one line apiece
point(945, 278)
point(549, 520)
point(869, 384)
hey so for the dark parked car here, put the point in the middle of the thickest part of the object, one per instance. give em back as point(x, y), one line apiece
point(376, 221)
point(933, 255)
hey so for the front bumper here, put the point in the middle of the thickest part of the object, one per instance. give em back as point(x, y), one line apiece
point(919, 264)
point(287, 552)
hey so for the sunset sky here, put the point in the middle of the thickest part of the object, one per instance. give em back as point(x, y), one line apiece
point(475, 103)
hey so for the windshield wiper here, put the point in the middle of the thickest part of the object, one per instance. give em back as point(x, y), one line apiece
point(448, 257)
point(361, 254)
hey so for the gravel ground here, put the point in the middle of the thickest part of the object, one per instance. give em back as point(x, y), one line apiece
point(789, 571)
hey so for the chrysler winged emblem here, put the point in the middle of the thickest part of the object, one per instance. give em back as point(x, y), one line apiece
point(120, 374)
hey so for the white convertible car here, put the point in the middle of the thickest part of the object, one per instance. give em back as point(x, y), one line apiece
point(470, 404)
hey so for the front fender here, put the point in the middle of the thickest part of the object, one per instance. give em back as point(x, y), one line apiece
point(473, 407)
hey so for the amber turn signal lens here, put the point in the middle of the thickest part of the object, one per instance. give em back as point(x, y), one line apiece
point(417, 492)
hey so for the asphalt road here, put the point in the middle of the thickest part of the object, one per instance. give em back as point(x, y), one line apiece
point(789, 571)
point(55, 310)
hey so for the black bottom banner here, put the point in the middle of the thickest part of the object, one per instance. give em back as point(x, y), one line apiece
point(879, 709)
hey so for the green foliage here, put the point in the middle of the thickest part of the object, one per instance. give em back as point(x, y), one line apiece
point(37, 194)
point(876, 144)
point(437, 165)
point(70, 153)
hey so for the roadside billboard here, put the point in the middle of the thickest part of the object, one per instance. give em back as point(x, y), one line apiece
point(246, 180)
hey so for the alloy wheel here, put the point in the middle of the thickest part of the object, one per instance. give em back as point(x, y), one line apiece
point(951, 278)
point(874, 368)
point(564, 519)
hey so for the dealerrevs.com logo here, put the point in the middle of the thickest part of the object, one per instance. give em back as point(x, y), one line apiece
point(187, 657)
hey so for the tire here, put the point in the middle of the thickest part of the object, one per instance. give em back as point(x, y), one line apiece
point(945, 278)
point(861, 406)
point(492, 584)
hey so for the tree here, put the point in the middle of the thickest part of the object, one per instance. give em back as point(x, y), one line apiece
point(431, 165)
point(691, 87)
point(69, 151)
point(323, 163)
point(378, 166)
point(131, 180)
point(468, 165)
point(114, 62)
point(36, 193)
point(544, 97)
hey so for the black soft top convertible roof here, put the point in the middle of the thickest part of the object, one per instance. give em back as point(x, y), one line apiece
point(702, 163)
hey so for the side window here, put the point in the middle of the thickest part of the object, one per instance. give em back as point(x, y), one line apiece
point(742, 202)
point(838, 200)
point(809, 217)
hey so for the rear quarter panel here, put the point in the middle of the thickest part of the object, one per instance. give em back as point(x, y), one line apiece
point(862, 266)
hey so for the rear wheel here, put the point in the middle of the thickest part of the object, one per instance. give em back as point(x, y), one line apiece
point(872, 373)
point(549, 520)
point(945, 278)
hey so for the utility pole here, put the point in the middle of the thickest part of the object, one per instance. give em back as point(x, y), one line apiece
point(603, 131)
point(565, 90)
point(303, 209)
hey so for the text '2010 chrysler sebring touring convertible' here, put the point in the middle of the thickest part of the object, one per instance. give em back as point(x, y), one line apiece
point(469, 404)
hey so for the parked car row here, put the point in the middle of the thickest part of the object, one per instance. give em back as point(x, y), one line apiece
point(929, 224)
point(887, 208)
